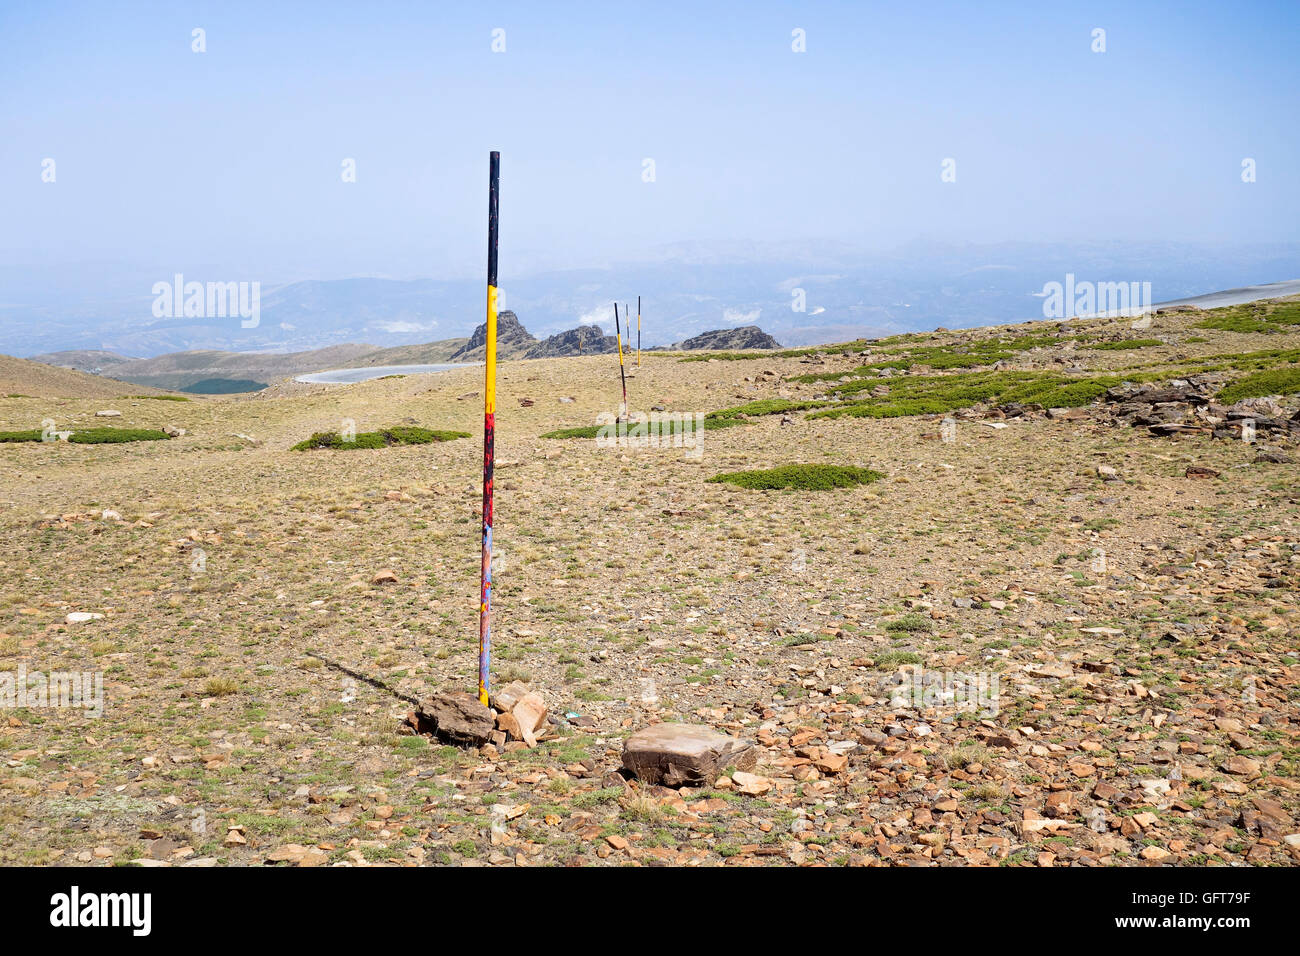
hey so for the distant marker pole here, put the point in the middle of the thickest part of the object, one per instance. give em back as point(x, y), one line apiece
point(618, 335)
point(489, 435)
point(638, 331)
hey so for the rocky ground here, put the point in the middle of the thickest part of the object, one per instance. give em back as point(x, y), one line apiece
point(270, 618)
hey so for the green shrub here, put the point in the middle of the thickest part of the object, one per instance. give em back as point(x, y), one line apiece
point(937, 394)
point(893, 660)
point(92, 436)
point(1277, 381)
point(384, 438)
point(764, 406)
point(1236, 323)
point(1253, 317)
point(727, 356)
point(909, 623)
point(1126, 344)
point(109, 436)
point(224, 386)
point(801, 477)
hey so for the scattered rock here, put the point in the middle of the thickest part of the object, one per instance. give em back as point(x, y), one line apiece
point(458, 719)
point(1241, 766)
point(677, 754)
point(1272, 457)
point(750, 784)
point(298, 855)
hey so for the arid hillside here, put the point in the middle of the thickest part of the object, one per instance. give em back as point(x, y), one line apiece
point(1051, 620)
point(23, 378)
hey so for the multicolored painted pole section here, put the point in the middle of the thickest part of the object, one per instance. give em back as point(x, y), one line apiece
point(489, 435)
point(618, 335)
point(638, 331)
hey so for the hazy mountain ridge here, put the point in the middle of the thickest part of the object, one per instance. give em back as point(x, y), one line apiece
point(686, 288)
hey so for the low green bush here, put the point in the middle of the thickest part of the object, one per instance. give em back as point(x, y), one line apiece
point(800, 477)
point(384, 438)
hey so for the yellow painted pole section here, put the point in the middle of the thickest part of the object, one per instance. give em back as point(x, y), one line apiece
point(489, 454)
point(490, 399)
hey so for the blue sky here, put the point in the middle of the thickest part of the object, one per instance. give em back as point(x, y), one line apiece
point(229, 160)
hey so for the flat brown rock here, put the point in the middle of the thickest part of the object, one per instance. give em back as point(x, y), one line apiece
point(677, 754)
point(458, 719)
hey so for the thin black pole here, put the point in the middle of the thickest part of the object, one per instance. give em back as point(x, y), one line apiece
point(618, 336)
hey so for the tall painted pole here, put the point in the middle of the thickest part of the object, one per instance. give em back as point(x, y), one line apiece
point(638, 331)
point(618, 335)
point(489, 435)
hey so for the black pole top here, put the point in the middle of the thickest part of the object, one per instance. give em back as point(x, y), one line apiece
point(494, 188)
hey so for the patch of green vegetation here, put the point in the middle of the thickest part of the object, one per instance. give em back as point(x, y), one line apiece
point(1277, 381)
point(667, 427)
point(862, 371)
point(1261, 317)
point(936, 394)
point(91, 436)
point(1236, 323)
point(162, 398)
point(30, 434)
point(765, 406)
point(727, 356)
point(108, 436)
point(1126, 344)
point(801, 477)
point(909, 623)
point(384, 438)
point(223, 386)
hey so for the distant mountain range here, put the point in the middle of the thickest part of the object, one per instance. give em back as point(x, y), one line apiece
point(214, 371)
point(802, 293)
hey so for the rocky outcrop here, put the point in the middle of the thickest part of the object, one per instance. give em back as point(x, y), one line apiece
point(584, 340)
point(1188, 406)
point(745, 337)
point(513, 340)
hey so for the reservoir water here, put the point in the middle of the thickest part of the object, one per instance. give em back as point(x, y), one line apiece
point(350, 376)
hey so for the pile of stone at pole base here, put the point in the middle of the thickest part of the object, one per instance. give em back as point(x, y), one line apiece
point(515, 720)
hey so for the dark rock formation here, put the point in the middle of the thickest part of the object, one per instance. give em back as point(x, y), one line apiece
point(513, 340)
point(745, 337)
point(1187, 407)
point(584, 340)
